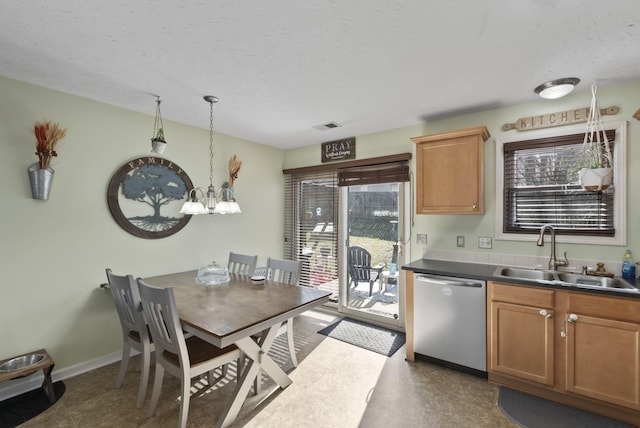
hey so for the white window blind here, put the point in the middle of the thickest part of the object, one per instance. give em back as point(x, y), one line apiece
point(537, 190)
point(311, 224)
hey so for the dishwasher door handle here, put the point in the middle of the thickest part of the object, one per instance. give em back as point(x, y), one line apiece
point(441, 281)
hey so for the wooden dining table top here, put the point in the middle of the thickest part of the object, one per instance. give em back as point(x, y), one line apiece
point(230, 311)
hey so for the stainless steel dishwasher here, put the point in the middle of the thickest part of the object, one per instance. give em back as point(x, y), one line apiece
point(449, 321)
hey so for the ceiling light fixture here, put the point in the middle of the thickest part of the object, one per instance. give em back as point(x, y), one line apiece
point(557, 88)
point(227, 204)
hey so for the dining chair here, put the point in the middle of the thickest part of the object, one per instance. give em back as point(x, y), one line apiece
point(135, 334)
point(180, 356)
point(287, 271)
point(242, 264)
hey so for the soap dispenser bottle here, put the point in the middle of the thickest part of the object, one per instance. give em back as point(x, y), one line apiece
point(628, 268)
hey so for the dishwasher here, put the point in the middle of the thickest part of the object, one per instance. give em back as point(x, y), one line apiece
point(450, 322)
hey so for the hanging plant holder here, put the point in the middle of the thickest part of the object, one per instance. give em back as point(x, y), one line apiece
point(158, 143)
point(595, 164)
point(595, 179)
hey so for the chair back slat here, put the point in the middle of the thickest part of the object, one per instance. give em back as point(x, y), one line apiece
point(242, 264)
point(286, 271)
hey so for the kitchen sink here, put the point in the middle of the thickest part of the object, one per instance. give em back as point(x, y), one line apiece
point(525, 273)
point(566, 279)
point(594, 281)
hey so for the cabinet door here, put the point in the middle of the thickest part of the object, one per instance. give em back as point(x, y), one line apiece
point(450, 172)
point(603, 360)
point(522, 342)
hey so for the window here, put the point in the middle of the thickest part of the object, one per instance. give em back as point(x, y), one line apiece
point(534, 188)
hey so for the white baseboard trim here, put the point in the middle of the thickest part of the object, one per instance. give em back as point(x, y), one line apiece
point(20, 386)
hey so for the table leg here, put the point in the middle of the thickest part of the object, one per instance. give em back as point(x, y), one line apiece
point(258, 360)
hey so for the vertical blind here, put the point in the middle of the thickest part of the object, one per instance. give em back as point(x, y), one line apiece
point(539, 188)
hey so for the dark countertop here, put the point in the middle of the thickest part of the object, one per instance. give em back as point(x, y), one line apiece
point(485, 272)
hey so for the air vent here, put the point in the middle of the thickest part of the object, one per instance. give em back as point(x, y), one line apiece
point(326, 126)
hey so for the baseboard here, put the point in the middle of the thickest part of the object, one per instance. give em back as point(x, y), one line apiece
point(20, 386)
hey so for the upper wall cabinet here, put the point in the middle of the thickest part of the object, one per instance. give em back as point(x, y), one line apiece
point(450, 172)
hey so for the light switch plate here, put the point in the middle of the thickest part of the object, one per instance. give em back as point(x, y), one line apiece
point(421, 239)
point(460, 241)
point(484, 242)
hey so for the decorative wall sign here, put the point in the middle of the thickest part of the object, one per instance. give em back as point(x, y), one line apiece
point(559, 118)
point(339, 150)
point(145, 196)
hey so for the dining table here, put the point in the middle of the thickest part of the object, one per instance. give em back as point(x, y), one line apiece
point(235, 312)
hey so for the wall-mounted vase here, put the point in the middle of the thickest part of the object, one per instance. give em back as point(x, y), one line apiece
point(41, 180)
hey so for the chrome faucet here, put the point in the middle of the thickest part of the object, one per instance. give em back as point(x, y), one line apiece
point(553, 262)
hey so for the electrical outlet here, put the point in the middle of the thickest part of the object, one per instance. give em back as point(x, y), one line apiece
point(421, 239)
point(460, 241)
point(484, 242)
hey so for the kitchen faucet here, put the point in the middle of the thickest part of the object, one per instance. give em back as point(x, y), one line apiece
point(553, 262)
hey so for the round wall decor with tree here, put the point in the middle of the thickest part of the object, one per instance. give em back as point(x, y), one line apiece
point(145, 196)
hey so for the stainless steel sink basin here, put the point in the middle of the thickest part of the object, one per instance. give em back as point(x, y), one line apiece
point(20, 363)
point(594, 281)
point(524, 273)
point(567, 279)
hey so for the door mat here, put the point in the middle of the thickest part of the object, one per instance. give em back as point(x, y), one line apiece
point(19, 409)
point(529, 411)
point(367, 336)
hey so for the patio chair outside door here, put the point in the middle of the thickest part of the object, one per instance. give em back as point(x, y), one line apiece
point(360, 269)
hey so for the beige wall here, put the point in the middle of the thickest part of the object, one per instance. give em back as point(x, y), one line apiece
point(54, 252)
point(443, 229)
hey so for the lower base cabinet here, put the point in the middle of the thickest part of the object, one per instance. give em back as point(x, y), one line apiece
point(574, 347)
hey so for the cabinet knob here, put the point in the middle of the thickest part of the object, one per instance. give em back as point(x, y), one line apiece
point(546, 313)
point(474, 207)
point(572, 318)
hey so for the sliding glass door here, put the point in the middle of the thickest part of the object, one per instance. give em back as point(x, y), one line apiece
point(347, 228)
point(372, 222)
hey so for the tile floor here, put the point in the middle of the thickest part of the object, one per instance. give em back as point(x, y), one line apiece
point(335, 385)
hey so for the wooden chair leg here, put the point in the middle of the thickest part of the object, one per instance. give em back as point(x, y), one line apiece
point(157, 385)
point(184, 402)
point(144, 377)
point(126, 351)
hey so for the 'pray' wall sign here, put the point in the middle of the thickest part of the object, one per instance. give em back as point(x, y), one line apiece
point(339, 150)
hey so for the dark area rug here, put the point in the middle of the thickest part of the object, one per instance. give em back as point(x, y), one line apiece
point(19, 409)
point(528, 411)
point(367, 336)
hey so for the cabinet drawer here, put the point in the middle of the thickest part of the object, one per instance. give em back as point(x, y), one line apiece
point(521, 295)
point(615, 308)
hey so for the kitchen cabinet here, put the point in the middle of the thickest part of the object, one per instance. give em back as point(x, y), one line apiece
point(603, 349)
point(573, 347)
point(450, 172)
point(521, 332)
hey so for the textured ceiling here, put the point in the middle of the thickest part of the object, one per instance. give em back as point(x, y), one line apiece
point(282, 67)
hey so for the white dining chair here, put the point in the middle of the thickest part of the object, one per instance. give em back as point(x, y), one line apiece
point(184, 358)
point(242, 264)
point(135, 334)
point(288, 272)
